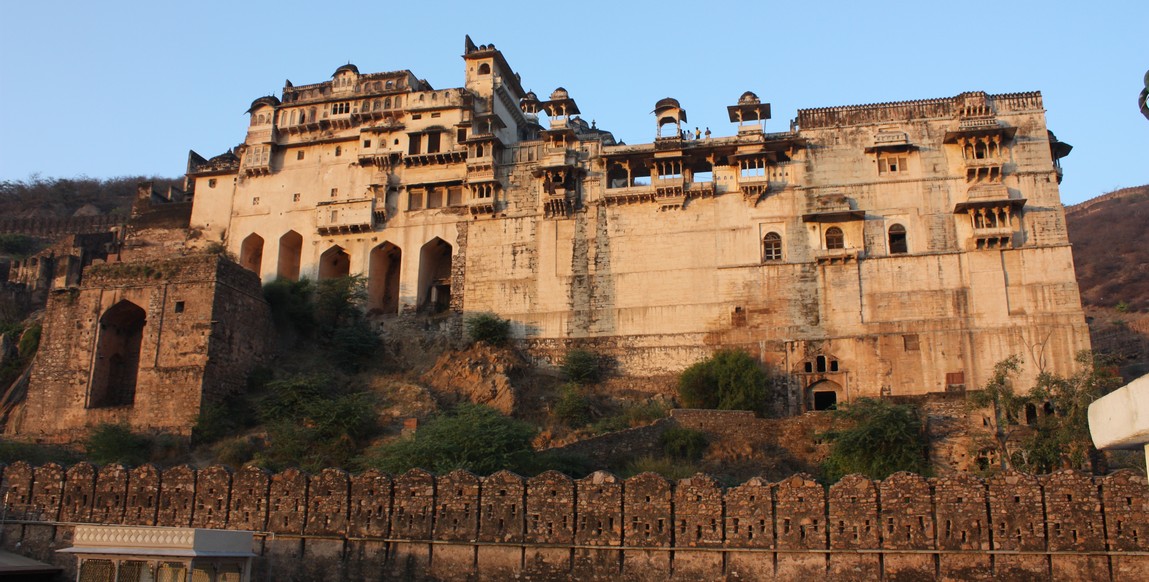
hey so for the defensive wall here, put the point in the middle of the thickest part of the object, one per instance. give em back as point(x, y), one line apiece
point(458, 526)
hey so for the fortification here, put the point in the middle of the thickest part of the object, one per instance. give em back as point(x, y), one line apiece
point(335, 526)
point(896, 248)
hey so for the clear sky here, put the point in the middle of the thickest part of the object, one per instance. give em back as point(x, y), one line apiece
point(117, 88)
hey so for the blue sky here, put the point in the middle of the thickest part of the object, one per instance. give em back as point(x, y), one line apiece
point(108, 89)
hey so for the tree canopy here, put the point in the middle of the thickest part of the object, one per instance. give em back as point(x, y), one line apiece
point(729, 380)
point(880, 439)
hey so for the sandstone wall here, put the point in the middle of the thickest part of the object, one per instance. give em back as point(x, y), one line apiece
point(336, 526)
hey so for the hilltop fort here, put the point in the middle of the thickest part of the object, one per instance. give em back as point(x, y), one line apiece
point(871, 250)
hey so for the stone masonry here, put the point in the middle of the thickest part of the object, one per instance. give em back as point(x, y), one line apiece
point(1067, 525)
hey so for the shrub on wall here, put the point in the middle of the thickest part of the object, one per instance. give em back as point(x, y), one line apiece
point(116, 443)
point(488, 328)
point(729, 380)
point(581, 366)
point(683, 443)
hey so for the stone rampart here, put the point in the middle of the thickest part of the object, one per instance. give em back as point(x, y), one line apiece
point(335, 526)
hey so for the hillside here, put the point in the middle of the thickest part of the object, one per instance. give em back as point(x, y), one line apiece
point(1109, 250)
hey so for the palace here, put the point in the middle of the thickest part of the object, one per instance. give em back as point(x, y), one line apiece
point(897, 248)
point(889, 249)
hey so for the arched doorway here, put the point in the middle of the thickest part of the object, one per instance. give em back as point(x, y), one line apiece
point(334, 263)
point(251, 253)
point(435, 276)
point(290, 251)
point(117, 364)
point(823, 395)
point(383, 279)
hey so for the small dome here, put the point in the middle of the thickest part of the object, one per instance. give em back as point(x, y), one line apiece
point(748, 98)
point(559, 93)
point(347, 67)
point(269, 100)
point(530, 96)
point(667, 103)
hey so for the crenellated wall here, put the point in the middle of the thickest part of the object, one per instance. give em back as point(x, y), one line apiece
point(336, 526)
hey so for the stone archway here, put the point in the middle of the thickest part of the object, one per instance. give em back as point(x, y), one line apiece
point(334, 263)
point(290, 252)
point(824, 395)
point(251, 253)
point(116, 369)
point(435, 276)
point(383, 279)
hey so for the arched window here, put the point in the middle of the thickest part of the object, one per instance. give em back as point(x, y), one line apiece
point(772, 247)
point(484, 69)
point(898, 244)
point(835, 239)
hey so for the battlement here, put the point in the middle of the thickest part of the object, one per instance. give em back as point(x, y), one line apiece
point(644, 528)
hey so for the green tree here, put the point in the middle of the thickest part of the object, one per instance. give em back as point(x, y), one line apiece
point(729, 380)
point(473, 437)
point(313, 424)
point(1061, 439)
point(1005, 403)
point(880, 439)
point(487, 328)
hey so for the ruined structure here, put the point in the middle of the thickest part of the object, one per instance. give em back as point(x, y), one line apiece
point(140, 330)
point(459, 526)
point(897, 248)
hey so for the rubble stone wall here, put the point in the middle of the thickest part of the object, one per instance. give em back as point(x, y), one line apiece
point(335, 526)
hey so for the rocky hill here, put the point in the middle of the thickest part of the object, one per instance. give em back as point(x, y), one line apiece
point(1109, 249)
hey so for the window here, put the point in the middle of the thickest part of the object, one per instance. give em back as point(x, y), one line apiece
point(433, 142)
point(910, 342)
point(417, 116)
point(435, 115)
point(461, 135)
point(211, 183)
point(340, 108)
point(484, 69)
point(454, 195)
point(898, 244)
point(334, 216)
point(415, 200)
point(179, 308)
point(295, 197)
point(416, 140)
point(835, 239)
point(338, 151)
point(772, 247)
point(366, 143)
point(299, 155)
point(255, 201)
point(891, 164)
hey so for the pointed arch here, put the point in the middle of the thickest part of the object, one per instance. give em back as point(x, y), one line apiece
point(383, 279)
point(251, 253)
point(116, 369)
point(435, 276)
point(334, 263)
point(290, 252)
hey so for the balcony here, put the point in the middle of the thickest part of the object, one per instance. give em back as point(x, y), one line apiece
point(347, 216)
point(836, 256)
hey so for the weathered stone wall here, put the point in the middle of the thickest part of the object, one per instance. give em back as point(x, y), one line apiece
point(205, 326)
point(332, 526)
